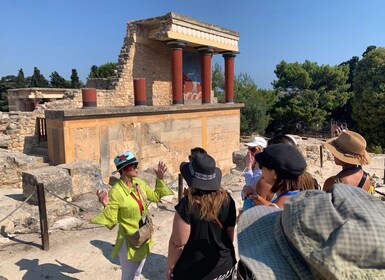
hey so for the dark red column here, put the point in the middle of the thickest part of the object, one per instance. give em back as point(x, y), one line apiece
point(206, 55)
point(140, 91)
point(177, 71)
point(229, 76)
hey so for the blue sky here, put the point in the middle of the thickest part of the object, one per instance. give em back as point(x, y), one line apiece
point(59, 35)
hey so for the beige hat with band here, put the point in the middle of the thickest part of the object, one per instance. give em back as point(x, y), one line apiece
point(349, 147)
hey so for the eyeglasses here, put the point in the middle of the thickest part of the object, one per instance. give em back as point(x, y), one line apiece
point(252, 149)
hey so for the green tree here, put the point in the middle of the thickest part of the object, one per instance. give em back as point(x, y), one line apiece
point(75, 82)
point(37, 79)
point(103, 71)
point(7, 82)
point(308, 94)
point(254, 115)
point(369, 97)
point(58, 81)
point(20, 82)
point(218, 82)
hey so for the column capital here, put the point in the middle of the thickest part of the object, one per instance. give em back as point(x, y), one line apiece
point(228, 55)
point(176, 44)
point(205, 50)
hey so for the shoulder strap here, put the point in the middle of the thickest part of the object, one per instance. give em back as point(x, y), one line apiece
point(363, 180)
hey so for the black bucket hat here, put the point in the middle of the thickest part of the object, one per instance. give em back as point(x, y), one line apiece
point(202, 173)
point(285, 159)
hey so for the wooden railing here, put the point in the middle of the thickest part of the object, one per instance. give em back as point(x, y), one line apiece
point(41, 129)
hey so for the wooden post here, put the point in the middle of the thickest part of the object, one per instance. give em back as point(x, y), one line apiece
point(321, 155)
point(180, 187)
point(43, 217)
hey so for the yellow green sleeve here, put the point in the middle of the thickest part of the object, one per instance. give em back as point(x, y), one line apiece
point(109, 216)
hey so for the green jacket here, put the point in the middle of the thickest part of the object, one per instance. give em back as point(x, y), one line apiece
point(124, 209)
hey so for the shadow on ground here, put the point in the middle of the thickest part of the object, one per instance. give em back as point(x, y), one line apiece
point(158, 262)
point(106, 249)
point(51, 270)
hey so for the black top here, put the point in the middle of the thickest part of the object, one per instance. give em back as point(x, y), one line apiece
point(209, 252)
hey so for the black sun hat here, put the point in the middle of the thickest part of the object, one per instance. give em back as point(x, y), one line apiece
point(285, 159)
point(202, 173)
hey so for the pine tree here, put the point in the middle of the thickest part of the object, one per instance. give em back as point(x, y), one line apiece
point(75, 82)
point(20, 81)
point(37, 79)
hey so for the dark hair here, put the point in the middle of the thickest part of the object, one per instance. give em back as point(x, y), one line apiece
point(285, 185)
point(281, 139)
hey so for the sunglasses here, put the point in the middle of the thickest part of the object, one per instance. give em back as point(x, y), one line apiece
point(252, 149)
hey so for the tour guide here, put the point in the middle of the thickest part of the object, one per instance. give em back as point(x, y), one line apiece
point(127, 205)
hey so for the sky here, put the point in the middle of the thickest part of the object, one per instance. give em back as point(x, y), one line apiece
point(60, 35)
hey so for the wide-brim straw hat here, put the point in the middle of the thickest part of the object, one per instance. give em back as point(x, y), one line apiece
point(349, 147)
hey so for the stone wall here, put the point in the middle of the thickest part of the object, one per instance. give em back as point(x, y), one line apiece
point(143, 58)
point(156, 133)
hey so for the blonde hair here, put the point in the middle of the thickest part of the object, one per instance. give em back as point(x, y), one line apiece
point(207, 203)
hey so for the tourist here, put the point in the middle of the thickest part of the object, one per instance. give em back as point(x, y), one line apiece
point(252, 172)
point(344, 240)
point(349, 152)
point(201, 242)
point(127, 205)
point(281, 166)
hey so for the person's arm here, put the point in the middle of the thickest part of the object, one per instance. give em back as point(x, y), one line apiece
point(179, 237)
point(230, 231)
point(328, 183)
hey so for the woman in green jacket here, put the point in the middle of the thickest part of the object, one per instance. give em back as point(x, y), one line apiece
point(126, 205)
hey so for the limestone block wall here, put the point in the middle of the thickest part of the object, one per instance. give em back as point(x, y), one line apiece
point(17, 130)
point(143, 58)
point(153, 134)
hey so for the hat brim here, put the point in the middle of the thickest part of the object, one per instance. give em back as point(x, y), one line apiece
point(344, 157)
point(251, 144)
point(206, 185)
point(128, 163)
point(266, 256)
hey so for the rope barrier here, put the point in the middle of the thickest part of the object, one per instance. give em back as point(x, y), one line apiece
point(28, 198)
point(73, 204)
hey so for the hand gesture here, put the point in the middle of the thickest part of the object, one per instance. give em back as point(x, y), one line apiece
point(249, 160)
point(103, 197)
point(160, 170)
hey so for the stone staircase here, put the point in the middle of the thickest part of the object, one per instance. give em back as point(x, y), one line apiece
point(41, 154)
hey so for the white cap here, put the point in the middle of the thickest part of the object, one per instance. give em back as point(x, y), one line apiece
point(257, 141)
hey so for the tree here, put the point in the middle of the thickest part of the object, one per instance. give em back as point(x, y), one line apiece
point(75, 82)
point(103, 71)
point(38, 80)
point(308, 94)
point(218, 81)
point(20, 82)
point(58, 81)
point(369, 97)
point(7, 82)
point(254, 116)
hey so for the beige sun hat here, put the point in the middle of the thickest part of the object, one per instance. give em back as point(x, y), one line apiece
point(349, 147)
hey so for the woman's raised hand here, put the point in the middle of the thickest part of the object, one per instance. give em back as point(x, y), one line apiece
point(160, 170)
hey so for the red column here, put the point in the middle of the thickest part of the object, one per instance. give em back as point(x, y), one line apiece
point(206, 54)
point(177, 71)
point(140, 91)
point(229, 77)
